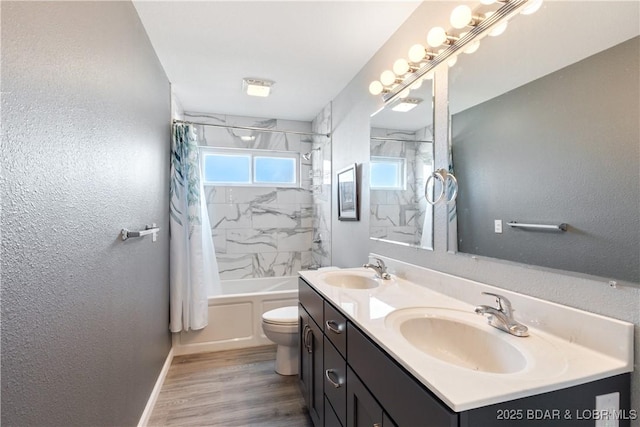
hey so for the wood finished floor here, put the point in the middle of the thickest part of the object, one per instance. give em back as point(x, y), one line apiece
point(229, 389)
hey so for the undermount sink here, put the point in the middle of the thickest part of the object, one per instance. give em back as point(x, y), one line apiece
point(351, 279)
point(452, 337)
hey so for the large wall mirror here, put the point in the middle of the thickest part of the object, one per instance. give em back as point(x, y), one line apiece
point(545, 126)
point(401, 160)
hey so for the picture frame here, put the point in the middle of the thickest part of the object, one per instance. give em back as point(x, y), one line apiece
point(348, 193)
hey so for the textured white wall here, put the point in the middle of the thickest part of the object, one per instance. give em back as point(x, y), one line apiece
point(352, 108)
point(85, 134)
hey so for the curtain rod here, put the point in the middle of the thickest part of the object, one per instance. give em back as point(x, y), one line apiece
point(328, 135)
point(379, 138)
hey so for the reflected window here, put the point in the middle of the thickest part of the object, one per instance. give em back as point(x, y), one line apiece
point(388, 173)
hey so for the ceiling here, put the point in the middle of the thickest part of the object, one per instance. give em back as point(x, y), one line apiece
point(311, 49)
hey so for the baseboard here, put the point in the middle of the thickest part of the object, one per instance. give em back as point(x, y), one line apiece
point(144, 419)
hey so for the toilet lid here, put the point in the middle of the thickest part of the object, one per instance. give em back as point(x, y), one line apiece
point(283, 315)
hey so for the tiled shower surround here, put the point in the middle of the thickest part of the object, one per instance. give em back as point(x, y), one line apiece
point(399, 215)
point(321, 189)
point(260, 231)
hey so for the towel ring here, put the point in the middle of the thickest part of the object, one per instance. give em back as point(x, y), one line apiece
point(447, 180)
point(438, 177)
point(454, 181)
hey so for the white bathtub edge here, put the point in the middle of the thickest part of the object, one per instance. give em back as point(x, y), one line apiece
point(209, 347)
point(248, 327)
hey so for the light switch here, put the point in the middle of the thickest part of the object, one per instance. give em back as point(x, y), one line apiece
point(497, 226)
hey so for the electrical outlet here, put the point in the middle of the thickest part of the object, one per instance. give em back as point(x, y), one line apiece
point(497, 226)
point(607, 405)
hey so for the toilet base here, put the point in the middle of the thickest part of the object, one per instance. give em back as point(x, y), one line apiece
point(287, 360)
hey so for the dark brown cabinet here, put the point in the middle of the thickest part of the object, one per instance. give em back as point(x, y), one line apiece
point(310, 365)
point(335, 380)
point(349, 381)
point(363, 410)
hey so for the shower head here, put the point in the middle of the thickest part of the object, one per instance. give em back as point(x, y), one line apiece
point(307, 156)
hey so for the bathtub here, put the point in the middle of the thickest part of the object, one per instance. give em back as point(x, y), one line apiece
point(235, 316)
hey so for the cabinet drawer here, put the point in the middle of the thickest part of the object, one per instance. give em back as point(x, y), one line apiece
point(335, 328)
point(330, 417)
point(335, 380)
point(406, 401)
point(312, 301)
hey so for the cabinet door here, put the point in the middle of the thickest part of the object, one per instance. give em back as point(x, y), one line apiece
point(335, 379)
point(304, 356)
point(330, 417)
point(316, 386)
point(310, 373)
point(406, 401)
point(335, 328)
point(362, 408)
point(386, 421)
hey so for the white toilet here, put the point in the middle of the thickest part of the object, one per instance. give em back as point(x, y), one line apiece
point(281, 327)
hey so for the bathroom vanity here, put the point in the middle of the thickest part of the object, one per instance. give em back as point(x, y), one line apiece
point(379, 352)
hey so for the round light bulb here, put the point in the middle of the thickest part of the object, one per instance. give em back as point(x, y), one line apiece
point(400, 67)
point(375, 88)
point(416, 85)
point(472, 47)
point(387, 77)
point(461, 16)
point(498, 29)
point(417, 53)
point(487, 1)
point(436, 36)
point(452, 61)
point(531, 7)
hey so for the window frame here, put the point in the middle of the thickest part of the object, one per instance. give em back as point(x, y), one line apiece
point(251, 154)
point(402, 173)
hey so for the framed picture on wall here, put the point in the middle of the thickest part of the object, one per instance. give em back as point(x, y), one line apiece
point(348, 194)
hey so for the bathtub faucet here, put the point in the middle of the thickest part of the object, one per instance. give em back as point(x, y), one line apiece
point(380, 268)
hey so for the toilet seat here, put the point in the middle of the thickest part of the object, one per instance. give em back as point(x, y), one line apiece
point(285, 316)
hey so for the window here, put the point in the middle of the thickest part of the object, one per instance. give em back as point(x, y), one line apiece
point(274, 170)
point(387, 173)
point(250, 167)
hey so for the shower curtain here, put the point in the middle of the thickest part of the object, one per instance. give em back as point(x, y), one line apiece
point(193, 269)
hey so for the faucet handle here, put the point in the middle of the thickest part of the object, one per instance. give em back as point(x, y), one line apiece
point(379, 262)
point(503, 303)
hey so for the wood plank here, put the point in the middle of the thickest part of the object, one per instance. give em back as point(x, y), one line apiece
point(229, 388)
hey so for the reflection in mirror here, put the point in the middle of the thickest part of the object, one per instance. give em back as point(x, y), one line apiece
point(545, 130)
point(401, 160)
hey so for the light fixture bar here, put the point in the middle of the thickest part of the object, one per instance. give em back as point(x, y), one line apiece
point(509, 9)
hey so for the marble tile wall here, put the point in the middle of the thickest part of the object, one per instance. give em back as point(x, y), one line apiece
point(321, 189)
point(399, 215)
point(260, 231)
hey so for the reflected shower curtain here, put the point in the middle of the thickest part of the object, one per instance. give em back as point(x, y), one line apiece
point(193, 269)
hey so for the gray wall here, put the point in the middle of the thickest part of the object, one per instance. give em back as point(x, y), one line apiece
point(351, 111)
point(556, 150)
point(85, 133)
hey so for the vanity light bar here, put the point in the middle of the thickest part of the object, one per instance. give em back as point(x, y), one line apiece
point(477, 29)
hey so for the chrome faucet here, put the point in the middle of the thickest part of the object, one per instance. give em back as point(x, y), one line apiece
point(502, 316)
point(380, 268)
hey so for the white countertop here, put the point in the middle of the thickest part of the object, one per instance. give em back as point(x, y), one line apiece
point(566, 347)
